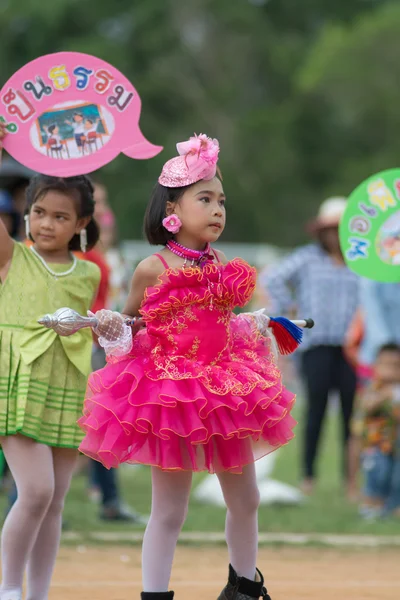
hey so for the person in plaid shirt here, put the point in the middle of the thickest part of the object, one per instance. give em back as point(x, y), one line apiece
point(314, 280)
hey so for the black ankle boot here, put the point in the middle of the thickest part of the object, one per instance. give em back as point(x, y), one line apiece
point(157, 595)
point(240, 588)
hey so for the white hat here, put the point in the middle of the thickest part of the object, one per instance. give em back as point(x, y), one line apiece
point(330, 213)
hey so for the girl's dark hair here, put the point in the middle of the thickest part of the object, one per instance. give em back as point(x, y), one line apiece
point(157, 210)
point(52, 128)
point(80, 189)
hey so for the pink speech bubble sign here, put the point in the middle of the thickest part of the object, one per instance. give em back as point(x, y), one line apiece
point(70, 113)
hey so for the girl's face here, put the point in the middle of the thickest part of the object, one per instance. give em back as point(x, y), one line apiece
point(54, 221)
point(387, 367)
point(202, 211)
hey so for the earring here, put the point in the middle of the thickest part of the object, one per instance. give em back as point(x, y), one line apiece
point(172, 223)
point(27, 226)
point(83, 239)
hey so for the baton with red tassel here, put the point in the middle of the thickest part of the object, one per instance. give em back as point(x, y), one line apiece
point(288, 334)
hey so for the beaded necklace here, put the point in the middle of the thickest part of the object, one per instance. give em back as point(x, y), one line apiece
point(188, 254)
point(50, 270)
point(198, 257)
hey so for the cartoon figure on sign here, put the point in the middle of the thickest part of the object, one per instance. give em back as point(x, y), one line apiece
point(92, 109)
point(54, 141)
point(79, 130)
point(91, 135)
point(90, 126)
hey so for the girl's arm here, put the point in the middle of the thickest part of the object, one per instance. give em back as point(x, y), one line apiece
point(114, 336)
point(6, 243)
point(146, 275)
point(6, 246)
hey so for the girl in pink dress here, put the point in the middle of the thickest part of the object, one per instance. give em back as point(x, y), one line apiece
point(197, 389)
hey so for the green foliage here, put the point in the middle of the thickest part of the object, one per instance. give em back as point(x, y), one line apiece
point(303, 98)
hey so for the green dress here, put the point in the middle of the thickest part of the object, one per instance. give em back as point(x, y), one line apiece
point(42, 375)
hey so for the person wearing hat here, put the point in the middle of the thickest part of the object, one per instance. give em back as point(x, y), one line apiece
point(8, 213)
point(314, 280)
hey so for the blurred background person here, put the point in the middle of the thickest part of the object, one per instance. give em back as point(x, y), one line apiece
point(119, 271)
point(14, 179)
point(8, 213)
point(313, 281)
point(375, 324)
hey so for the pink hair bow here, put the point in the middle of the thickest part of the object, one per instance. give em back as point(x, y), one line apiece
point(197, 160)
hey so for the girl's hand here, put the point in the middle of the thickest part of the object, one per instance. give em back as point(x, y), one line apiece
point(137, 326)
point(115, 336)
point(110, 325)
point(3, 133)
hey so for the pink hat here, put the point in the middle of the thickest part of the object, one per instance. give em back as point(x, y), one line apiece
point(197, 160)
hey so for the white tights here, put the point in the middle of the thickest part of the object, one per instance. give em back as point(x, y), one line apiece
point(170, 499)
point(32, 530)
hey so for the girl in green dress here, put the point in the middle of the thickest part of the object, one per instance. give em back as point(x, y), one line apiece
point(42, 376)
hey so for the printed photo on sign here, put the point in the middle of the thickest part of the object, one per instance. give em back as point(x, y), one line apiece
point(388, 240)
point(72, 130)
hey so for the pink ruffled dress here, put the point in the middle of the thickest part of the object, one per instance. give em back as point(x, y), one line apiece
point(199, 390)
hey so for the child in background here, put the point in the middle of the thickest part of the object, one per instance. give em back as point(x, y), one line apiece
point(8, 213)
point(379, 414)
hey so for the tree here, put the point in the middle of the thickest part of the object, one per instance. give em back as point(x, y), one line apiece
point(248, 73)
point(349, 86)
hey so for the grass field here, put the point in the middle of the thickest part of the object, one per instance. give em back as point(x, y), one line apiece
point(326, 512)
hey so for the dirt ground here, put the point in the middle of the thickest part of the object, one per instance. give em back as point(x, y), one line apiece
point(113, 573)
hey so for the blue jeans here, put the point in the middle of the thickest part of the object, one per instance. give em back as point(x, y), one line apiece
point(382, 478)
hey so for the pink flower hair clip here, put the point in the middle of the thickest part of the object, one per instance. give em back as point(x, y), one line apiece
point(172, 223)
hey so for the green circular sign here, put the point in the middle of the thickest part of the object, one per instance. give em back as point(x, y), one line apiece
point(370, 228)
